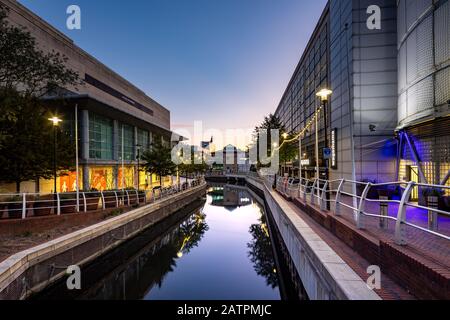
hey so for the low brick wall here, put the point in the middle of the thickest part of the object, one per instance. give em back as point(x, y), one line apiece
point(32, 270)
point(421, 277)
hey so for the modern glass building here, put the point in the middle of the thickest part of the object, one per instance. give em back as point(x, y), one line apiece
point(299, 102)
point(116, 120)
point(359, 65)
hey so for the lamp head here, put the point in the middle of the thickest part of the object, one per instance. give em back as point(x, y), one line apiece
point(324, 94)
point(55, 121)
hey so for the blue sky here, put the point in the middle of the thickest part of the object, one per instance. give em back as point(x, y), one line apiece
point(225, 62)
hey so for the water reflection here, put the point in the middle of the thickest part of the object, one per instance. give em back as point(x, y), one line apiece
point(261, 253)
point(220, 249)
point(229, 196)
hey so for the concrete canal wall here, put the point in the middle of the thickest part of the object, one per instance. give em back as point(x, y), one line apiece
point(324, 275)
point(30, 271)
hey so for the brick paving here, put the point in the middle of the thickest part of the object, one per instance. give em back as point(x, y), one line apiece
point(389, 289)
point(418, 241)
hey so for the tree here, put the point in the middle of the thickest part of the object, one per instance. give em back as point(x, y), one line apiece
point(27, 152)
point(271, 122)
point(289, 149)
point(26, 68)
point(158, 160)
point(26, 136)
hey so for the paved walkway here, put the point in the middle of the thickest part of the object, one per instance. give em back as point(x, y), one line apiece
point(418, 241)
point(389, 290)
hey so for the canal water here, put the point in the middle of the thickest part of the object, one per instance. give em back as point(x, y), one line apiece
point(218, 249)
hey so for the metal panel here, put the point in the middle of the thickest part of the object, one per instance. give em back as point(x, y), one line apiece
point(443, 86)
point(442, 33)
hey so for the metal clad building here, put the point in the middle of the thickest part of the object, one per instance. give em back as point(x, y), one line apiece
point(364, 83)
point(424, 90)
point(360, 66)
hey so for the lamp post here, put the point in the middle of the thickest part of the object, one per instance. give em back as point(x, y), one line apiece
point(324, 94)
point(55, 121)
point(285, 136)
point(300, 157)
point(138, 158)
point(275, 145)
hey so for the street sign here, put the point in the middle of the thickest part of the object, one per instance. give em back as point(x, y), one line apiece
point(326, 153)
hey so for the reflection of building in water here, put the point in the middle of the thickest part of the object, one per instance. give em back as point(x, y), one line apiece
point(230, 197)
point(140, 266)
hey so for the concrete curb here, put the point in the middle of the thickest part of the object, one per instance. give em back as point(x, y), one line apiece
point(323, 273)
point(12, 268)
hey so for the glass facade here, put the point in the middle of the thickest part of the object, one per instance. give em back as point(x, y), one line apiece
point(128, 142)
point(100, 137)
point(299, 102)
point(143, 139)
point(101, 178)
point(126, 180)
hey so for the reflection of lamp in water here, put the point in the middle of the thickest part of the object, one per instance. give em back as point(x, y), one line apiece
point(180, 252)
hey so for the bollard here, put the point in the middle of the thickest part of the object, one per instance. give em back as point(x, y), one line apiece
point(433, 203)
point(384, 207)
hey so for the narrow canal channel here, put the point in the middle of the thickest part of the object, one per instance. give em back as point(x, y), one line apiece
point(215, 249)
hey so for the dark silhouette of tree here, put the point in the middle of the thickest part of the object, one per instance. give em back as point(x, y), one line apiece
point(271, 122)
point(27, 151)
point(26, 68)
point(26, 136)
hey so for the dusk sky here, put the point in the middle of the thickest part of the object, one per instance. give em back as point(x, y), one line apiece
point(224, 62)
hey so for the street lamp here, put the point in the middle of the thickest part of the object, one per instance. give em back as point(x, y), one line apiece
point(138, 158)
point(323, 95)
point(55, 121)
point(285, 136)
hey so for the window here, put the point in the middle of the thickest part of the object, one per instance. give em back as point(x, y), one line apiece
point(100, 137)
point(142, 139)
point(128, 142)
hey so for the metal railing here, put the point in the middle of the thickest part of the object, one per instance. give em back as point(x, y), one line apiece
point(224, 173)
point(323, 193)
point(26, 205)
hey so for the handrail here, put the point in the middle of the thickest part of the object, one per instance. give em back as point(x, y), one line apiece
point(23, 205)
point(310, 190)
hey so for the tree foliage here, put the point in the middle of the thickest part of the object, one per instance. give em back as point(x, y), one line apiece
point(25, 67)
point(271, 122)
point(288, 150)
point(27, 73)
point(27, 152)
point(158, 160)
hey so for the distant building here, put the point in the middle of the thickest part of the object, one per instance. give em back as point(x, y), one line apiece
point(232, 159)
point(111, 111)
